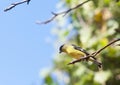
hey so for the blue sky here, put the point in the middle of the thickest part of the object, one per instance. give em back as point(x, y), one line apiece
point(23, 47)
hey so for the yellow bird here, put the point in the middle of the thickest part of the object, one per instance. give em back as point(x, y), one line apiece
point(76, 52)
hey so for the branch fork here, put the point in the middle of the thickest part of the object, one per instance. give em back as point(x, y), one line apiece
point(94, 54)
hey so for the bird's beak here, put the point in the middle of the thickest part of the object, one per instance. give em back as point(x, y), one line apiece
point(60, 52)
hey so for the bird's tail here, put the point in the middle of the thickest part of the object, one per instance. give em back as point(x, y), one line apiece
point(99, 64)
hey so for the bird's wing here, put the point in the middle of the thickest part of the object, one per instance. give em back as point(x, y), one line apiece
point(80, 49)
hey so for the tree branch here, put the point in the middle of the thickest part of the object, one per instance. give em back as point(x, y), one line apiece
point(15, 4)
point(64, 13)
point(112, 42)
point(94, 54)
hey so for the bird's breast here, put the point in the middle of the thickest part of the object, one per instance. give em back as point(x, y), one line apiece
point(77, 54)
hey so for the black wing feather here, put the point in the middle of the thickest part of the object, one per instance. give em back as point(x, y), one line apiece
point(80, 49)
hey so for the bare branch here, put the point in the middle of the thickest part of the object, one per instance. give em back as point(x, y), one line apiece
point(64, 12)
point(49, 20)
point(99, 64)
point(94, 54)
point(15, 4)
point(112, 42)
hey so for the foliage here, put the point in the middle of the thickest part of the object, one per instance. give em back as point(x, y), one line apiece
point(91, 26)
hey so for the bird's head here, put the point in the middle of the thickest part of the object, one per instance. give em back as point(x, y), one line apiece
point(61, 48)
point(65, 47)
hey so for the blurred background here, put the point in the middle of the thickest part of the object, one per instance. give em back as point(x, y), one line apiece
point(29, 51)
point(25, 47)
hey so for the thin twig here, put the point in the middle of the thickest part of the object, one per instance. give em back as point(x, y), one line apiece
point(94, 54)
point(49, 20)
point(64, 12)
point(99, 64)
point(15, 4)
point(112, 42)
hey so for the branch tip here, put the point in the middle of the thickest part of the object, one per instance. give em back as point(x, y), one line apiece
point(15, 4)
point(64, 12)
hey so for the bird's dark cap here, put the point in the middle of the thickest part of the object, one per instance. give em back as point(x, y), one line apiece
point(60, 49)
